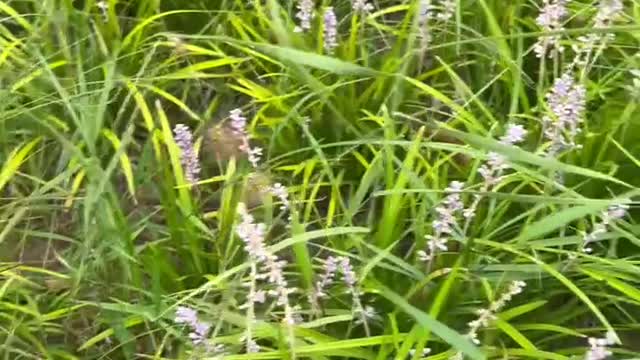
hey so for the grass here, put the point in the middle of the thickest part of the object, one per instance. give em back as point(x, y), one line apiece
point(103, 238)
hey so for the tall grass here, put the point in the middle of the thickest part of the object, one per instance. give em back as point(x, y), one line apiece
point(388, 215)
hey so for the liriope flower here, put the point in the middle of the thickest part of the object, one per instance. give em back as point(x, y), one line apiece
point(280, 191)
point(305, 15)
point(444, 223)
point(550, 18)
point(361, 6)
point(598, 347)
point(441, 11)
point(266, 266)
point(613, 213)
point(239, 129)
point(189, 317)
point(326, 279)
point(492, 170)
point(488, 315)
point(567, 100)
point(188, 155)
point(330, 30)
point(608, 12)
point(447, 10)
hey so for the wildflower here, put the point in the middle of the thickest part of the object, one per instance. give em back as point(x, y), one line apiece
point(550, 19)
point(261, 258)
point(613, 213)
point(330, 267)
point(486, 316)
point(349, 278)
point(189, 317)
point(188, 154)
point(425, 352)
point(608, 12)
point(305, 15)
point(239, 129)
point(515, 134)
point(447, 11)
point(186, 315)
point(330, 30)
point(598, 350)
point(254, 155)
point(279, 191)
point(566, 101)
point(361, 6)
point(427, 12)
point(368, 312)
point(238, 123)
point(492, 170)
point(199, 333)
point(445, 221)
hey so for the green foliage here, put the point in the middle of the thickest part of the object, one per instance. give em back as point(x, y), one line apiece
point(102, 236)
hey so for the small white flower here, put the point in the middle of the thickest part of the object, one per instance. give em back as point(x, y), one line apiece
point(361, 6)
point(551, 18)
point(425, 352)
point(305, 15)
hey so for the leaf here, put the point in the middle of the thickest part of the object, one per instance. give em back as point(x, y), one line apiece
point(14, 160)
point(125, 163)
point(34, 74)
point(615, 283)
point(131, 321)
point(16, 16)
point(557, 220)
point(514, 334)
point(314, 60)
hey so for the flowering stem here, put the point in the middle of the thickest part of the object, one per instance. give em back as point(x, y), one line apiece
point(250, 343)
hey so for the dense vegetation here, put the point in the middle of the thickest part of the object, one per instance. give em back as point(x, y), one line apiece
point(262, 179)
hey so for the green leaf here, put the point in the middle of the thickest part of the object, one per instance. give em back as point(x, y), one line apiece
point(15, 159)
point(453, 338)
point(314, 60)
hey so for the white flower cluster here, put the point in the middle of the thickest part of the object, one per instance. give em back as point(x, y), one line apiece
point(567, 100)
point(341, 265)
point(551, 18)
point(239, 128)
point(486, 316)
point(445, 222)
point(442, 11)
point(264, 266)
point(361, 6)
point(305, 15)
point(598, 347)
point(492, 170)
point(330, 30)
point(613, 213)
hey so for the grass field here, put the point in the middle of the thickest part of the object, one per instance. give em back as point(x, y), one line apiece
point(307, 179)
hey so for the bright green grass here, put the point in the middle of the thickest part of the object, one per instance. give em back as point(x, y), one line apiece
point(101, 238)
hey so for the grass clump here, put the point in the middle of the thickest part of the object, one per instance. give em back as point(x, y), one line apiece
point(441, 179)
